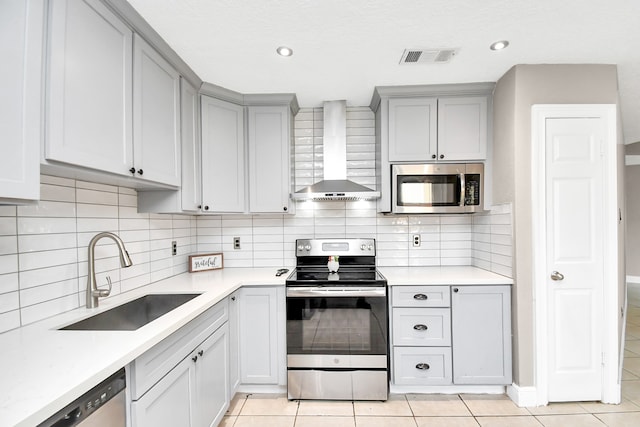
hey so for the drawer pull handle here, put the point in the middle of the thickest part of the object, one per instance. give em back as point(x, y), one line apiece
point(420, 327)
point(423, 366)
point(420, 297)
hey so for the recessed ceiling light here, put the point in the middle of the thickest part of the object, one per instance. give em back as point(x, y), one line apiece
point(284, 51)
point(499, 45)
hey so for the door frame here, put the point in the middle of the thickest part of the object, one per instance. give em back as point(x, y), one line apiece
point(611, 392)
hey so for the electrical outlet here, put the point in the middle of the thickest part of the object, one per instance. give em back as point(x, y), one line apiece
point(416, 240)
point(236, 243)
point(174, 248)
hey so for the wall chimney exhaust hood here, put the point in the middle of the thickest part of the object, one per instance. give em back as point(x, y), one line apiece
point(335, 185)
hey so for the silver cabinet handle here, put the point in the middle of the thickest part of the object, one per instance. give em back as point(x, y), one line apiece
point(420, 297)
point(420, 327)
point(423, 366)
point(557, 276)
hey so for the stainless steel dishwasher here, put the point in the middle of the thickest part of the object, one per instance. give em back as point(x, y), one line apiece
point(102, 406)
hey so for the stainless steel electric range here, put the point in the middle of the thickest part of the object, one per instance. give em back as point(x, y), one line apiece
point(337, 322)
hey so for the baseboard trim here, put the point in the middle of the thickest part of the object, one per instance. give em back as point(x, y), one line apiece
point(262, 388)
point(523, 396)
point(446, 389)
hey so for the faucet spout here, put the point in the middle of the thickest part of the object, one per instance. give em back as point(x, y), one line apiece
point(93, 293)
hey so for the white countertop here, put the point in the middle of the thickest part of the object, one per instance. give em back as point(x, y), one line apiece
point(43, 369)
point(454, 275)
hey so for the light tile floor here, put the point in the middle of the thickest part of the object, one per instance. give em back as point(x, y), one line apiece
point(465, 410)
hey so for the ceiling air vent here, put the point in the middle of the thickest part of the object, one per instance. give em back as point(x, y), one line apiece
point(427, 56)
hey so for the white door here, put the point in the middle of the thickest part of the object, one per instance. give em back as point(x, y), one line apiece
point(575, 261)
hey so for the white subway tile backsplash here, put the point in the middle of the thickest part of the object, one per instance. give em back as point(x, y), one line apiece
point(57, 192)
point(9, 301)
point(493, 242)
point(31, 296)
point(8, 245)
point(9, 320)
point(9, 282)
point(97, 211)
point(50, 225)
point(33, 313)
point(8, 264)
point(8, 225)
point(96, 197)
point(44, 242)
point(48, 243)
point(48, 209)
point(52, 258)
point(127, 200)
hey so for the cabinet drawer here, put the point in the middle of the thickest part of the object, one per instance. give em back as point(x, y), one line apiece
point(420, 296)
point(150, 367)
point(421, 326)
point(422, 365)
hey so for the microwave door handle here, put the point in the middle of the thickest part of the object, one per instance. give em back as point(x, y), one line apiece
point(462, 189)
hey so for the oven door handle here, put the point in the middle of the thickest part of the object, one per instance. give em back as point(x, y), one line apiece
point(336, 291)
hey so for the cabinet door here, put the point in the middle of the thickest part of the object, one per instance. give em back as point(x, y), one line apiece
point(234, 342)
point(21, 46)
point(462, 128)
point(222, 156)
point(212, 378)
point(89, 87)
point(412, 129)
point(269, 166)
point(481, 331)
point(190, 136)
point(169, 402)
point(156, 116)
point(260, 341)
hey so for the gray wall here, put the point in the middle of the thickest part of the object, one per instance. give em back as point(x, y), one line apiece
point(519, 89)
point(632, 195)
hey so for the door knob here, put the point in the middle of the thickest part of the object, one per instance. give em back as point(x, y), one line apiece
point(557, 276)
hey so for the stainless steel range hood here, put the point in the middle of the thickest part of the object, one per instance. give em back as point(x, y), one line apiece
point(335, 185)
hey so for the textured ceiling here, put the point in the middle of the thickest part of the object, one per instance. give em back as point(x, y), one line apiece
point(344, 48)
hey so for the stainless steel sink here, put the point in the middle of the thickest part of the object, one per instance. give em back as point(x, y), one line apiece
point(132, 315)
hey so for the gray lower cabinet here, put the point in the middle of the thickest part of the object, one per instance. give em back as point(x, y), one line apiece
point(481, 334)
point(451, 335)
point(184, 380)
point(234, 342)
point(262, 343)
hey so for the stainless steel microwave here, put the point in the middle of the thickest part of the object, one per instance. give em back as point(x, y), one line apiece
point(437, 188)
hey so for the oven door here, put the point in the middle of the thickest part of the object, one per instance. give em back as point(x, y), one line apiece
point(335, 320)
point(337, 343)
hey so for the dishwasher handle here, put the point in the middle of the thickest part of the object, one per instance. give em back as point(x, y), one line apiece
point(69, 419)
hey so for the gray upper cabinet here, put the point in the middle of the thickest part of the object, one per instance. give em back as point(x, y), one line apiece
point(187, 199)
point(413, 129)
point(462, 128)
point(156, 116)
point(269, 159)
point(89, 87)
point(191, 196)
point(437, 129)
point(481, 334)
point(113, 103)
point(223, 156)
point(21, 47)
